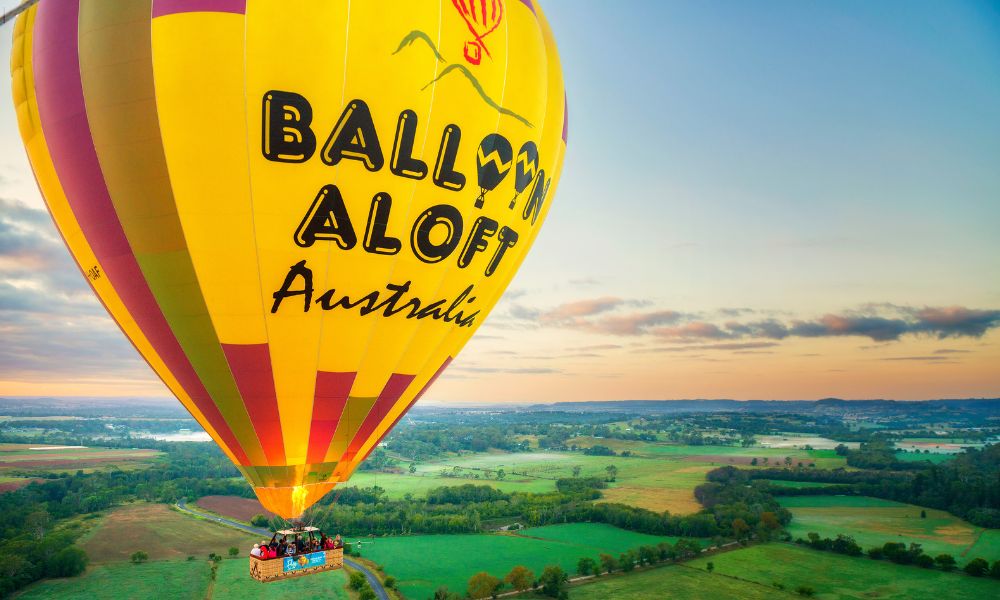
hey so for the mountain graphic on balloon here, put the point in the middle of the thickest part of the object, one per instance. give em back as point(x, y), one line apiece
point(482, 18)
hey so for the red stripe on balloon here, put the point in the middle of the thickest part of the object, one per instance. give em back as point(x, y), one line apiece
point(332, 391)
point(172, 7)
point(63, 115)
point(427, 385)
point(393, 389)
point(250, 365)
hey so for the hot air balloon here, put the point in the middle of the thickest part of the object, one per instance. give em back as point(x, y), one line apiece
point(269, 197)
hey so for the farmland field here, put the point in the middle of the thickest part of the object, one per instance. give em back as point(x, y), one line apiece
point(234, 507)
point(872, 522)
point(839, 577)
point(35, 457)
point(161, 533)
point(124, 581)
point(422, 563)
point(657, 476)
point(675, 581)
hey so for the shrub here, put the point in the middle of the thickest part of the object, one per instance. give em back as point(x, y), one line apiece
point(586, 565)
point(553, 582)
point(520, 578)
point(608, 563)
point(483, 585)
point(357, 581)
point(876, 553)
point(805, 590)
point(924, 560)
point(138, 557)
point(977, 567)
point(390, 582)
point(259, 521)
point(234, 552)
point(945, 561)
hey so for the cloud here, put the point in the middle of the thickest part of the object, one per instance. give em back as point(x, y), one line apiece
point(734, 346)
point(693, 330)
point(581, 308)
point(957, 321)
point(951, 351)
point(879, 329)
point(51, 323)
point(880, 322)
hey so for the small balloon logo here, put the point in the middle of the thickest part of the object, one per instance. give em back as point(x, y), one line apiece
point(482, 17)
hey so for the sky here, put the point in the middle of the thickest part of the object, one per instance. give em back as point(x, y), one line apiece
point(768, 200)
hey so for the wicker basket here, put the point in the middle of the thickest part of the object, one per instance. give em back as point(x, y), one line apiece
point(273, 569)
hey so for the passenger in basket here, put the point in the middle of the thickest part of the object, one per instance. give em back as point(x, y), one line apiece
point(290, 550)
point(256, 552)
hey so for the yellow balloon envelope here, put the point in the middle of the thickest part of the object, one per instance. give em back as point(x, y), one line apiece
point(298, 211)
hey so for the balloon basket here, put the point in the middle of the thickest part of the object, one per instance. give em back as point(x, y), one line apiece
point(275, 569)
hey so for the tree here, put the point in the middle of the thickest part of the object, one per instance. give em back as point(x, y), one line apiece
point(608, 563)
point(612, 472)
point(576, 471)
point(68, 562)
point(520, 578)
point(259, 521)
point(554, 582)
point(977, 567)
point(357, 580)
point(924, 560)
point(627, 560)
point(945, 562)
point(38, 522)
point(995, 570)
point(586, 566)
point(740, 528)
point(648, 554)
point(501, 474)
point(442, 593)
point(390, 582)
point(138, 557)
point(788, 461)
point(753, 461)
point(841, 450)
point(483, 585)
point(710, 566)
point(923, 514)
point(234, 552)
point(413, 468)
point(367, 593)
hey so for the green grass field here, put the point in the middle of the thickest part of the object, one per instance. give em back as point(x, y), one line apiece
point(933, 457)
point(837, 577)
point(872, 522)
point(795, 484)
point(422, 563)
point(179, 580)
point(674, 581)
